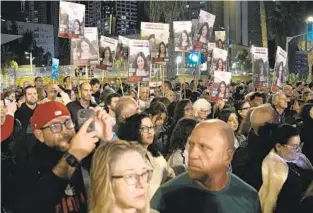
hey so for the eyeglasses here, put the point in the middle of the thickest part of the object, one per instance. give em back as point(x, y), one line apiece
point(133, 179)
point(205, 111)
point(147, 129)
point(245, 108)
point(58, 127)
point(295, 147)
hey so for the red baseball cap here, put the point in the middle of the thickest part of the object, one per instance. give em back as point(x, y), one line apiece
point(46, 112)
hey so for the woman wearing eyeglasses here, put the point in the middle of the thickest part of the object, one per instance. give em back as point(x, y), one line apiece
point(286, 174)
point(139, 127)
point(119, 179)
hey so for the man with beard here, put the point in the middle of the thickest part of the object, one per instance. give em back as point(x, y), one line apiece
point(24, 113)
point(52, 180)
point(84, 102)
point(208, 186)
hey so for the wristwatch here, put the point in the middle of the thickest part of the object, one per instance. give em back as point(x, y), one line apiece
point(71, 160)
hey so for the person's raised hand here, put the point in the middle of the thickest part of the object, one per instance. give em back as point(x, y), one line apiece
point(83, 143)
point(103, 124)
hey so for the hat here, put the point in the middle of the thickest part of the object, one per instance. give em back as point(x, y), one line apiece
point(46, 112)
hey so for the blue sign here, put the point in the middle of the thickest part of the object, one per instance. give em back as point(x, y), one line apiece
point(55, 69)
point(301, 62)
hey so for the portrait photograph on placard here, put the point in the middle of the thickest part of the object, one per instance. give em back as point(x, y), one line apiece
point(157, 34)
point(182, 36)
point(260, 67)
point(85, 51)
point(219, 60)
point(107, 53)
point(139, 61)
point(71, 20)
point(280, 74)
point(204, 31)
point(220, 86)
point(220, 39)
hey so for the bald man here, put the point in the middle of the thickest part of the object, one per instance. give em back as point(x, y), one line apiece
point(52, 95)
point(208, 186)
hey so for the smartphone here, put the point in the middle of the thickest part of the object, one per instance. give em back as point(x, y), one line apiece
point(83, 115)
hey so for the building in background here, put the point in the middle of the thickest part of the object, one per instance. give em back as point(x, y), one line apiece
point(34, 11)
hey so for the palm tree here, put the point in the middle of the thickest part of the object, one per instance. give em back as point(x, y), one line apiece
point(263, 24)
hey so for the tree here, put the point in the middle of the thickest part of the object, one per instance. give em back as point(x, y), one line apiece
point(169, 11)
point(263, 24)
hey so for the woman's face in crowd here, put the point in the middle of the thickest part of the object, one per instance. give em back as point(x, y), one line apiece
point(188, 111)
point(184, 37)
point(85, 47)
point(159, 120)
point(12, 97)
point(233, 121)
point(291, 150)
point(147, 131)
point(76, 25)
point(204, 112)
point(130, 191)
point(107, 54)
point(140, 63)
point(244, 110)
point(204, 31)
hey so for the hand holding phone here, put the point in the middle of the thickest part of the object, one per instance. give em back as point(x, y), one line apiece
point(83, 115)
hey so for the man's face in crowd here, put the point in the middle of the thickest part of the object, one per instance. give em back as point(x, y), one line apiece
point(144, 93)
point(257, 101)
point(39, 82)
point(31, 96)
point(85, 92)
point(114, 100)
point(288, 91)
point(95, 88)
point(60, 140)
point(207, 155)
point(52, 91)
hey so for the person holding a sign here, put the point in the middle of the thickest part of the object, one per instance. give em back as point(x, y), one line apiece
point(141, 65)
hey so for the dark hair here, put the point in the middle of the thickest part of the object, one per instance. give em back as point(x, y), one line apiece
point(281, 64)
point(219, 88)
point(298, 83)
point(254, 95)
point(201, 28)
point(94, 81)
point(162, 43)
point(151, 36)
point(103, 54)
point(28, 87)
point(218, 60)
point(179, 110)
point(283, 133)
point(76, 20)
point(91, 48)
point(181, 38)
point(64, 79)
point(180, 135)
point(162, 99)
point(224, 114)
point(8, 93)
point(238, 106)
point(108, 99)
point(130, 131)
point(141, 54)
point(258, 71)
point(311, 84)
point(37, 78)
point(305, 112)
point(156, 109)
point(169, 84)
point(217, 43)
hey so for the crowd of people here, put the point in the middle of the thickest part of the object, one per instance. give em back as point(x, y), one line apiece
point(170, 151)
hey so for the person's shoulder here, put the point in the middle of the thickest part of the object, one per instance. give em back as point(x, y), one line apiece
point(240, 185)
point(178, 181)
point(72, 103)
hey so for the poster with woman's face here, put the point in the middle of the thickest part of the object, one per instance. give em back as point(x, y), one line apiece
point(182, 36)
point(204, 31)
point(107, 53)
point(211, 47)
point(280, 74)
point(121, 56)
point(158, 35)
point(71, 20)
point(139, 61)
point(260, 67)
point(219, 61)
point(85, 51)
point(220, 39)
point(220, 86)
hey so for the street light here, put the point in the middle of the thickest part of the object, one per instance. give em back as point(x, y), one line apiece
point(29, 55)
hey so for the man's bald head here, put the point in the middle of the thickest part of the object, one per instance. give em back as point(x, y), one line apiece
point(261, 115)
point(216, 128)
point(126, 107)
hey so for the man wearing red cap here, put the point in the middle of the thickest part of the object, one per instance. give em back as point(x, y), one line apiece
point(54, 181)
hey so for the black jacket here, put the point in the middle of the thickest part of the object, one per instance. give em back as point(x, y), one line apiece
point(40, 190)
point(23, 114)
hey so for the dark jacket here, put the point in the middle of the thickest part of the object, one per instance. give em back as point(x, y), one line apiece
point(40, 190)
point(23, 114)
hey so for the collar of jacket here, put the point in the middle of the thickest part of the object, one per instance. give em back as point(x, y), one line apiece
point(274, 175)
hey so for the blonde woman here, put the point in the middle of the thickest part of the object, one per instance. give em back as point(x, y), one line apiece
point(119, 179)
point(201, 109)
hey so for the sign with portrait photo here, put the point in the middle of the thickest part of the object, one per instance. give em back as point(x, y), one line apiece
point(182, 36)
point(220, 86)
point(85, 51)
point(71, 20)
point(157, 34)
point(139, 61)
point(260, 67)
point(107, 53)
point(220, 39)
point(280, 74)
point(219, 60)
point(204, 31)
